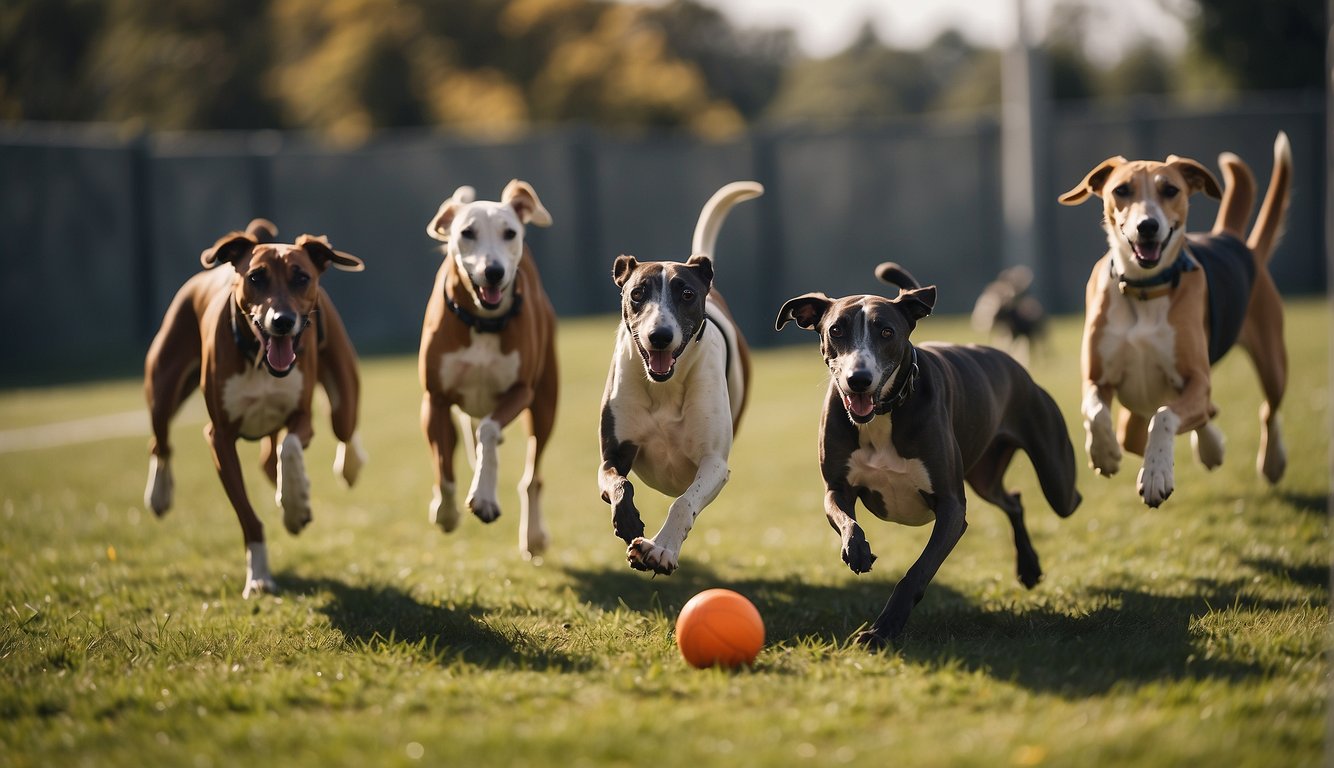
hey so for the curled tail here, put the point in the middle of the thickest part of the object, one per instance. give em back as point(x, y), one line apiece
point(713, 214)
point(896, 275)
point(1274, 211)
point(1238, 196)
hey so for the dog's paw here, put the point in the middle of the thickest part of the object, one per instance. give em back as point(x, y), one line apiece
point(1208, 443)
point(873, 640)
point(644, 555)
point(625, 520)
point(254, 587)
point(293, 493)
point(856, 551)
point(1155, 484)
point(487, 510)
point(161, 489)
point(258, 579)
point(1104, 456)
point(443, 512)
point(535, 543)
point(349, 459)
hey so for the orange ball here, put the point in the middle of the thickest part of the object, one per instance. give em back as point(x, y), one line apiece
point(719, 626)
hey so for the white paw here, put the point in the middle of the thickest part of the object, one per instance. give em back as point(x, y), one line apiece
point(293, 493)
point(644, 555)
point(258, 579)
point(444, 513)
point(161, 487)
point(1155, 484)
point(349, 459)
point(1208, 442)
point(1155, 481)
point(1103, 452)
point(534, 542)
point(1272, 461)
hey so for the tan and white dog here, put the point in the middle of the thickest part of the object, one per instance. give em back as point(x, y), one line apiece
point(240, 331)
point(488, 348)
point(676, 389)
point(1162, 306)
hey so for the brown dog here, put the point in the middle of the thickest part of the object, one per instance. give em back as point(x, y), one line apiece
point(488, 348)
point(1162, 306)
point(239, 330)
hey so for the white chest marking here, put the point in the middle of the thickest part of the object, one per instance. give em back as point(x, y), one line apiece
point(877, 466)
point(478, 373)
point(261, 403)
point(1138, 352)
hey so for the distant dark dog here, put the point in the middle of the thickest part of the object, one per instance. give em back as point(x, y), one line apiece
point(1012, 318)
point(255, 332)
point(904, 427)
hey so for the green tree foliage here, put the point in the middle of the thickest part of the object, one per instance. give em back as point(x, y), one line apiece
point(44, 47)
point(1272, 44)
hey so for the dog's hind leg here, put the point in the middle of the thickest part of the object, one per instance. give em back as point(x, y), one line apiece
point(168, 382)
point(342, 385)
point(987, 478)
point(1262, 338)
point(268, 456)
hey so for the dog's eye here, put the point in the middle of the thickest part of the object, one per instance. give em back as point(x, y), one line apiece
point(257, 278)
point(687, 295)
point(509, 234)
point(1122, 191)
point(886, 333)
point(1170, 191)
point(300, 280)
point(468, 234)
point(637, 295)
point(836, 331)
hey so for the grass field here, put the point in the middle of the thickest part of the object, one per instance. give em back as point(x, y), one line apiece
point(1194, 634)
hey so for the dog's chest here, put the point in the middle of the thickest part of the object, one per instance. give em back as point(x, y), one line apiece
point(259, 403)
point(877, 467)
point(1138, 352)
point(478, 373)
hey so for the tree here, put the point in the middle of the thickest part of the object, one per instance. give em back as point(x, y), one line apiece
point(1274, 44)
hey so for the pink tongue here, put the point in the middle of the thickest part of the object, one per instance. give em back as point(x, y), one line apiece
point(490, 295)
point(281, 352)
point(660, 362)
point(859, 404)
point(1148, 252)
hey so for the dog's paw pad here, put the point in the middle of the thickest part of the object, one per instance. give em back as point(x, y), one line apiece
point(1155, 486)
point(644, 555)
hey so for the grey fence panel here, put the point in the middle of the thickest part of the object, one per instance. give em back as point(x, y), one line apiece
point(72, 276)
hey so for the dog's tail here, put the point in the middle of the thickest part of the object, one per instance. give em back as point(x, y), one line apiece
point(893, 274)
point(715, 211)
point(263, 230)
point(1274, 210)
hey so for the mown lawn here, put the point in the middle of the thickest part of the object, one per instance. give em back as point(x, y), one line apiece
point(1194, 634)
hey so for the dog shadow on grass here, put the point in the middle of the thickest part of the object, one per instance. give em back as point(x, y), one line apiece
point(382, 617)
point(1125, 637)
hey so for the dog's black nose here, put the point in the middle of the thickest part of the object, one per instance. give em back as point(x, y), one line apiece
point(659, 338)
point(859, 381)
point(494, 273)
point(1148, 227)
point(283, 323)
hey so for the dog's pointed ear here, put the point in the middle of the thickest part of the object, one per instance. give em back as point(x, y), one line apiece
point(621, 269)
point(805, 310)
point(229, 249)
point(893, 274)
point(917, 303)
point(521, 197)
point(438, 226)
point(703, 266)
point(1197, 177)
point(1092, 183)
point(325, 256)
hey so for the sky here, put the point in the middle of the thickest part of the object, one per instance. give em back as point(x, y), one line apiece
point(824, 27)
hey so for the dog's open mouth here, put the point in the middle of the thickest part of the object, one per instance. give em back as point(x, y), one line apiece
point(660, 363)
point(279, 351)
point(860, 405)
point(489, 296)
point(1149, 252)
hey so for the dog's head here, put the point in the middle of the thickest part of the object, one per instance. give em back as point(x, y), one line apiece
point(1144, 207)
point(864, 339)
point(662, 304)
point(277, 286)
point(485, 239)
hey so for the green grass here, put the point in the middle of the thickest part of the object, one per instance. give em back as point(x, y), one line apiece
point(1189, 635)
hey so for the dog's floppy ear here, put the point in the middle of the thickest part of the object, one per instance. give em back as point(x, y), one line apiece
point(325, 256)
point(228, 250)
point(917, 303)
point(805, 310)
point(893, 274)
point(438, 227)
point(1197, 177)
point(520, 196)
point(621, 269)
point(1092, 183)
point(702, 266)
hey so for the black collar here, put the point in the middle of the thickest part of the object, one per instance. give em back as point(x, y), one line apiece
point(1160, 284)
point(486, 324)
point(903, 387)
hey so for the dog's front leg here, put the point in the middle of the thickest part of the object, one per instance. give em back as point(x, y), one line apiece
point(1156, 481)
point(293, 493)
point(839, 509)
point(617, 490)
point(483, 500)
point(258, 577)
point(661, 553)
point(949, 527)
point(440, 434)
point(1099, 435)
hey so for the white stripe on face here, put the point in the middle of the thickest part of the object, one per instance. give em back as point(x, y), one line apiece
point(659, 315)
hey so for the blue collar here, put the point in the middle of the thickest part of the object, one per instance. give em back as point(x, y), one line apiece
point(1158, 285)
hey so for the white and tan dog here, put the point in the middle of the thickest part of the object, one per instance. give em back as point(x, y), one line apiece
point(488, 348)
point(676, 389)
point(1162, 306)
